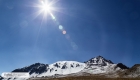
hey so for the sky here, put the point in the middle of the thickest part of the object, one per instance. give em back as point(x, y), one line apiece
point(110, 28)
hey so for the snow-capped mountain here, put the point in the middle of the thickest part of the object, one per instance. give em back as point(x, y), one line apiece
point(95, 65)
point(99, 65)
point(63, 68)
point(60, 67)
point(99, 60)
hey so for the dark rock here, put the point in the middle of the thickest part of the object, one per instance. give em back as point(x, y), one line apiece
point(122, 66)
point(35, 68)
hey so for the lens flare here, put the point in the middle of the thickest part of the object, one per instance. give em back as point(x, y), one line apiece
point(52, 16)
point(60, 27)
point(64, 32)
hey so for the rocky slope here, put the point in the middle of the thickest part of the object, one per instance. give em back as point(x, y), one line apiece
point(134, 71)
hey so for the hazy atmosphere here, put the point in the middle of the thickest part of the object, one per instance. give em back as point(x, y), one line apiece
point(77, 31)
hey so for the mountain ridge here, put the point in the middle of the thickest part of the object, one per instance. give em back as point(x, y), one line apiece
point(94, 66)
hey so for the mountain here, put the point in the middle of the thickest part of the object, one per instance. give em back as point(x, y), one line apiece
point(122, 66)
point(99, 60)
point(134, 71)
point(63, 68)
point(1, 78)
point(60, 67)
point(98, 66)
point(36, 68)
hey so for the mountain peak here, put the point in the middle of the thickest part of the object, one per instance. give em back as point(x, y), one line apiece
point(99, 60)
point(99, 56)
point(122, 66)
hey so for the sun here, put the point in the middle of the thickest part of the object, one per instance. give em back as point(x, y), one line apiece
point(45, 9)
point(45, 6)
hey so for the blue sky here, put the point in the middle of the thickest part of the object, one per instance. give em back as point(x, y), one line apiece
point(109, 28)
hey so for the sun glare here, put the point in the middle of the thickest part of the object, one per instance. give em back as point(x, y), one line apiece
point(46, 8)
